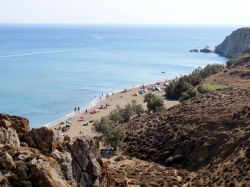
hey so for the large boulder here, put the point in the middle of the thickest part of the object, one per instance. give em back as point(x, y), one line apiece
point(43, 139)
point(8, 135)
point(235, 44)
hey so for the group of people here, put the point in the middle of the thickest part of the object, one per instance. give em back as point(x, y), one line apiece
point(77, 110)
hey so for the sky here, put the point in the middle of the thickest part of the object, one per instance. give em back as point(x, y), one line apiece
point(215, 12)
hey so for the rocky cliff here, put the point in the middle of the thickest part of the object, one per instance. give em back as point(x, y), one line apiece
point(41, 158)
point(235, 44)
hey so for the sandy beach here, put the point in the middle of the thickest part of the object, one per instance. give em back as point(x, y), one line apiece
point(78, 121)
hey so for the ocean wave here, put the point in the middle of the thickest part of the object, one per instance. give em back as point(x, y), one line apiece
point(34, 53)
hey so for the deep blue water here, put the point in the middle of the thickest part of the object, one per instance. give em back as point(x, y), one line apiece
point(47, 70)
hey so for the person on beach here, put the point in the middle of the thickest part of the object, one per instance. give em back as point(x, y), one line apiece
point(86, 111)
point(75, 110)
point(78, 110)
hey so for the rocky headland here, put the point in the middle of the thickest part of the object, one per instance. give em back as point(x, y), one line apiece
point(235, 44)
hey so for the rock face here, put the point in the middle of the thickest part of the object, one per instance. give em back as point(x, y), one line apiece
point(43, 139)
point(47, 159)
point(235, 44)
point(208, 135)
point(8, 136)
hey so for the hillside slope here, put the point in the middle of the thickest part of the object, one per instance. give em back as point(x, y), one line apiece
point(236, 74)
point(202, 135)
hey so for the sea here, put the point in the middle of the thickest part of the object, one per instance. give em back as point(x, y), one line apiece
point(47, 70)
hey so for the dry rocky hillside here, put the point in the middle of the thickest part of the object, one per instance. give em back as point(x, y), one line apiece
point(208, 137)
point(236, 74)
point(204, 141)
point(41, 158)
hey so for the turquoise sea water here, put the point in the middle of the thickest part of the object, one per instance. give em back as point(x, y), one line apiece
point(46, 70)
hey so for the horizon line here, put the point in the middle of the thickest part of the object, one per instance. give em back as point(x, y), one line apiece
point(123, 24)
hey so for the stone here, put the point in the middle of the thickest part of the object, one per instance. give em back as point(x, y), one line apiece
point(6, 161)
point(8, 136)
point(4, 123)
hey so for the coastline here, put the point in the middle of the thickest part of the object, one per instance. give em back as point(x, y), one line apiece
point(96, 101)
point(78, 125)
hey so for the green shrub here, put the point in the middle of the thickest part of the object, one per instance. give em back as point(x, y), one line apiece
point(111, 134)
point(209, 87)
point(120, 115)
point(176, 88)
point(211, 69)
point(137, 108)
point(188, 94)
point(102, 126)
point(154, 103)
point(116, 115)
point(114, 137)
point(184, 86)
point(127, 113)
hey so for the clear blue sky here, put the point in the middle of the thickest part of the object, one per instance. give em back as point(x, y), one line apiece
point(229, 12)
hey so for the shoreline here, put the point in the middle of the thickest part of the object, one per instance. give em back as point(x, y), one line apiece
point(95, 102)
point(76, 124)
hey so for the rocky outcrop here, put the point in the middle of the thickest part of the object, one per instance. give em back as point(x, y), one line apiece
point(206, 50)
point(43, 139)
point(47, 159)
point(28, 167)
point(79, 156)
point(8, 135)
point(194, 51)
point(235, 44)
point(20, 124)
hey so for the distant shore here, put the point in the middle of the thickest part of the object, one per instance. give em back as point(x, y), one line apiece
point(80, 123)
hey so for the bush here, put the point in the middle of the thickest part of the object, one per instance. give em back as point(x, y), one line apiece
point(184, 86)
point(188, 94)
point(120, 115)
point(102, 126)
point(176, 88)
point(127, 113)
point(211, 69)
point(114, 137)
point(209, 87)
point(111, 134)
point(154, 102)
point(116, 115)
point(137, 108)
